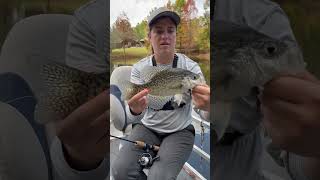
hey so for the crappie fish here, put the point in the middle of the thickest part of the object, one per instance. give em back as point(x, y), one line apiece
point(65, 89)
point(163, 83)
point(243, 60)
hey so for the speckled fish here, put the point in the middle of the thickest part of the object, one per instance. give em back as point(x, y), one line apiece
point(65, 89)
point(244, 60)
point(163, 84)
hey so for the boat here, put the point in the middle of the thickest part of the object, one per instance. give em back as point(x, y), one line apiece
point(198, 165)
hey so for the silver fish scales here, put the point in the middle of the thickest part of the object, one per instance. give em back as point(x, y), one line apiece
point(65, 89)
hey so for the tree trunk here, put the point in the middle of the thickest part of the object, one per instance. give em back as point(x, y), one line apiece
point(124, 52)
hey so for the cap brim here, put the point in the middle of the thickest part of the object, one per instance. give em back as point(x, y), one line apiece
point(170, 14)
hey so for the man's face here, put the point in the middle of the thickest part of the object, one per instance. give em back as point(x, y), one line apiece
point(163, 36)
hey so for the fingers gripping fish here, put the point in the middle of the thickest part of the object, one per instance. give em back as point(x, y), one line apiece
point(244, 59)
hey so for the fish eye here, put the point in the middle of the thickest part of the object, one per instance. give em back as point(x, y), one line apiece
point(270, 49)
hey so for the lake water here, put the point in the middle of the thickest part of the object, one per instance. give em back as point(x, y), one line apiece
point(201, 165)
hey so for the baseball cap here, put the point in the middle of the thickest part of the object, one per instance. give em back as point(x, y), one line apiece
point(163, 12)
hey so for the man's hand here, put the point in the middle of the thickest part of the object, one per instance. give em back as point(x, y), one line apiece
point(201, 97)
point(291, 109)
point(80, 131)
point(138, 102)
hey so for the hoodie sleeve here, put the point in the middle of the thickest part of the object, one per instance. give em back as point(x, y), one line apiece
point(62, 170)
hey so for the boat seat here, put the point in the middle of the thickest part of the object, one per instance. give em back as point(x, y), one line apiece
point(24, 143)
point(118, 116)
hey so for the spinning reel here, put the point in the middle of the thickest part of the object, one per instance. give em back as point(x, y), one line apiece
point(145, 159)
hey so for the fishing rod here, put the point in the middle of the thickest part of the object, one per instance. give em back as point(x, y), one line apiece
point(145, 159)
point(140, 144)
point(123, 139)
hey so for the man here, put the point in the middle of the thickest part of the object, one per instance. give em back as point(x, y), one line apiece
point(75, 153)
point(289, 108)
point(170, 127)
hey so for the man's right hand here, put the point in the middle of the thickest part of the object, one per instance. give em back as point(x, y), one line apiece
point(81, 131)
point(201, 97)
point(138, 102)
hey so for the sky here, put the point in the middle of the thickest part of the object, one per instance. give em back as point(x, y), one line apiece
point(137, 10)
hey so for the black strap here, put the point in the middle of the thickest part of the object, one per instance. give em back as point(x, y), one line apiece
point(175, 61)
point(174, 64)
point(154, 63)
point(168, 106)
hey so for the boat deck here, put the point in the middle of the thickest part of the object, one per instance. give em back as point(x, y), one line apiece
point(187, 173)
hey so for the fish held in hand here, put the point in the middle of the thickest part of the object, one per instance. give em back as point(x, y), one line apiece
point(244, 58)
point(163, 83)
point(243, 61)
point(65, 89)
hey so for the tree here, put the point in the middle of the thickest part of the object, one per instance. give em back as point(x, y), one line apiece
point(187, 11)
point(177, 7)
point(190, 9)
point(169, 5)
point(141, 30)
point(125, 30)
point(115, 39)
point(204, 35)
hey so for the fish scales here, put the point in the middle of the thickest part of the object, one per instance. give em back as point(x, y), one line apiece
point(65, 89)
point(163, 83)
point(244, 60)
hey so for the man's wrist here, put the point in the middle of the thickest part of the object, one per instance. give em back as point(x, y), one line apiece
point(312, 168)
point(77, 161)
point(133, 113)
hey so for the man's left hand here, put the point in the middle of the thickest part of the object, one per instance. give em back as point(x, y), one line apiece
point(201, 97)
point(291, 109)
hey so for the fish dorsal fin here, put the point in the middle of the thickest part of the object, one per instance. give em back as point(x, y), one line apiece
point(148, 72)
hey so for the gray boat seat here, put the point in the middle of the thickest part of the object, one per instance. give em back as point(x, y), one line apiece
point(31, 42)
point(118, 115)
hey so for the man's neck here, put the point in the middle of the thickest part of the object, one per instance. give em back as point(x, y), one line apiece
point(164, 59)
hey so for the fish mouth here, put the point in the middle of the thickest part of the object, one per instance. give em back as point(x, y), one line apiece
point(222, 79)
point(255, 90)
